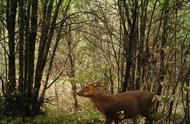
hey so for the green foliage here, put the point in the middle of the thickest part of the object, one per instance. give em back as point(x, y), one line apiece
point(187, 88)
point(89, 66)
point(89, 114)
point(55, 116)
point(164, 98)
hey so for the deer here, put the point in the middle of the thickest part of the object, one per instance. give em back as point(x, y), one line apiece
point(125, 105)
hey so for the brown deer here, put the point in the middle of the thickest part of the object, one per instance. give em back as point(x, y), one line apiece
point(132, 103)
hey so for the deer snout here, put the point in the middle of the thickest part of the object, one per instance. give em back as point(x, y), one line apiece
point(79, 93)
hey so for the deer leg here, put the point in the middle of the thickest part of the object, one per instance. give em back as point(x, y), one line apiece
point(108, 121)
point(116, 121)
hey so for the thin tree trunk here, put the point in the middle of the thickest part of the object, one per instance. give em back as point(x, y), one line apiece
point(54, 53)
point(163, 45)
point(42, 57)
point(11, 84)
point(127, 84)
point(11, 21)
point(21, 57)
point(72, 67)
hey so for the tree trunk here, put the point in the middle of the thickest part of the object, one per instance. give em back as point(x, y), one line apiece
point(71, 73)
point(163, 45)
point(11, 84)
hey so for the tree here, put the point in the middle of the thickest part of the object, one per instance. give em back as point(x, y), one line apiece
point(34, 30)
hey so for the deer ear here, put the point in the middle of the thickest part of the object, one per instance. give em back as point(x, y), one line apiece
point(96, 83)
point(93, 83)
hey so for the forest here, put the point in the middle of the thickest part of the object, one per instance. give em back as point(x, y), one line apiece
point(51, 49)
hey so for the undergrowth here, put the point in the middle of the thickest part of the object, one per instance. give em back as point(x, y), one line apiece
point(55, 116)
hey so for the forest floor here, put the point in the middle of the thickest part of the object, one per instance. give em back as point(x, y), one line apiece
point(72, 120)
point(59, 110)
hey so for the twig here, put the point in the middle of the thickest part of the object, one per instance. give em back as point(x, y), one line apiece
point(55, 80)
point(2, 81)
